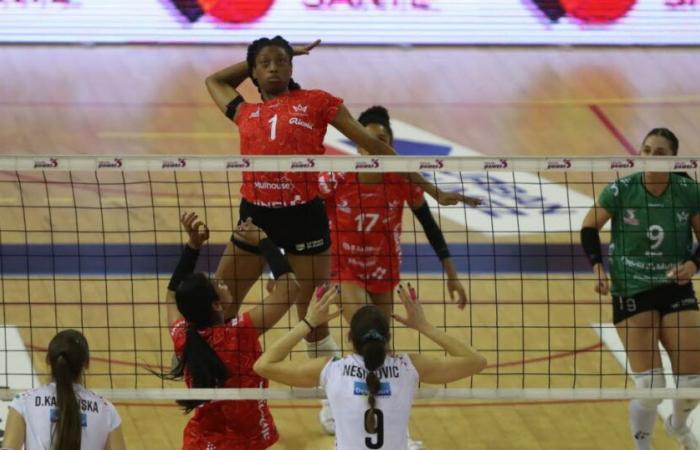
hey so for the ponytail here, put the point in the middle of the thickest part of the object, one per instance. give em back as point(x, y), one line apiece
point(374, 353)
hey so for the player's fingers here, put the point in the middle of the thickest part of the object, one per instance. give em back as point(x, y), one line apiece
point(400, 319)
point(462, 297)
point(403, 295)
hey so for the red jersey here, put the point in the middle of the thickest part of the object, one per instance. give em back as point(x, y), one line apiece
point(293, 123)
point(229, 425)
point(365, 222)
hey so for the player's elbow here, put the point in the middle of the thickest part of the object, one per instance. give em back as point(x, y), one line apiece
point(472, 365)
point(260, 367)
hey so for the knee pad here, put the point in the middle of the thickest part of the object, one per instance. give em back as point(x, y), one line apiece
point(689, 381)
point(650, 379)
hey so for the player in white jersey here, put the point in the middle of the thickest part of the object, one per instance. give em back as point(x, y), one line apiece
point(63, 415)
point(370, 392)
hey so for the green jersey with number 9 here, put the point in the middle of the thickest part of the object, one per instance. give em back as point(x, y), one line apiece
point(649, 234)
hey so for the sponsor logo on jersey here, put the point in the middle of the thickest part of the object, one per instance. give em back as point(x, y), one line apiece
point(300, 109)
point(496, 164)
point(559, 164)
point(298, 122)
point(630, 217)
point(360, 388)
point(371, 164)
point(242, 163)
point(113, 164)
point(343, 206)
point(174, 164)
point(255, 114)
point(308, 163)
point(46, 164)
point(622, 164)
point(434, 164)
point(686, 165)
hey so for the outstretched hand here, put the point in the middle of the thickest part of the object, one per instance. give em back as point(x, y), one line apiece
point(452, 198)
point(298, 50)
point(249, 233)
point(319, 307)
point(415, 317)
point(196, 230)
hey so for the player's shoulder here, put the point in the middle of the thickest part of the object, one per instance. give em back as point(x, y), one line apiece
point(683, 181)
point(626, 183)
point(310, 95)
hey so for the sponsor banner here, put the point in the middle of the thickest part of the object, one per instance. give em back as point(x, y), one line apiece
point(630, 22)
point(515, 202)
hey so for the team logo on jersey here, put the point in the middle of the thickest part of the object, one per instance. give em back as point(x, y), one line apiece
point(360, 388)
point(297, 121)
point(116, 163)
point(174, 164)
point(434, 164)
point(559, 164)
point(686, 165)
point(379, 273)
point(300, 109)
point(622, 164)
point(241, 163)
point(682, 216)
point(50, 164)
point(343, 206)
point(497, 164)
point(255, 114)
point(371, 164)
point(630, 217)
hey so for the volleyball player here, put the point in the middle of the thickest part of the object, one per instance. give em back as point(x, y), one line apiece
point(63, 415)
point(288, 121)
point(654, 216)
point(370, 391)
point(214, 350)
point(365, 212)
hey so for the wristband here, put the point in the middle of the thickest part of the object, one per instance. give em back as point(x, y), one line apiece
point(188, 259)
point(307, 323)
point(590, 241)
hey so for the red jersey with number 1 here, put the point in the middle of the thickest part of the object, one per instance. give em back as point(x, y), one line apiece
point(229, 424)
point(293, 123)
point(365, 221)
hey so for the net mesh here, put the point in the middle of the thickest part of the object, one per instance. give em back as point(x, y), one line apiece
point(89, 243)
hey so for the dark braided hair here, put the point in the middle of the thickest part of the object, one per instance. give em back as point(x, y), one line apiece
point(378, 115)
point(370, 333)
point(256, 46)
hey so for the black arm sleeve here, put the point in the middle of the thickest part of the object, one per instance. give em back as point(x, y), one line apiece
point(188, 259)
point(233, 106)
point(590, 241)
point(275, 259)
point(432, 231)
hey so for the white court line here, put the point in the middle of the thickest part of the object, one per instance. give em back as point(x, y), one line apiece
point(608, 334)
point(16, 369)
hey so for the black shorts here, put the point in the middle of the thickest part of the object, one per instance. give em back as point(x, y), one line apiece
point(299, 230)
point(665, 299)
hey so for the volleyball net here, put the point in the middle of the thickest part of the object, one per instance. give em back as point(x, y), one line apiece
point(90, 243)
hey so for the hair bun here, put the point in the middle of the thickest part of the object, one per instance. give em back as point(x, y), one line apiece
point(375, 112)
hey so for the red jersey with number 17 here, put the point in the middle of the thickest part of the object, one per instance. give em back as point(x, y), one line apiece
point(229, 424)
point(365, 222)
point(293, 123)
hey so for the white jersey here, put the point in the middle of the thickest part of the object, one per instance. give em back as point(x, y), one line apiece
point(344, 382)
point(38, 408)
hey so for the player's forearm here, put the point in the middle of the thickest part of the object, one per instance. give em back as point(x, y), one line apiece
point(449, 267)
point(280, 349)
point(232, 75)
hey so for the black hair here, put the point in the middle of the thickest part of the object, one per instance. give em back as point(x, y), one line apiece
point(369, 328)
point(668, 135)
point(68, 356)
point(195, 297)
point(256, 46)
point(378, 115)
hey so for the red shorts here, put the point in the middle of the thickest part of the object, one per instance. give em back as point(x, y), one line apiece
point(380, 275)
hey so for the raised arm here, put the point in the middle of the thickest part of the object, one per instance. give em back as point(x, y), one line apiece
point(222, 87)
point(463, 361)
point(273, 365)
point(437, 241)
point(198, 234)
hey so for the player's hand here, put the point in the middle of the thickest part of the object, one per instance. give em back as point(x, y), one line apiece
point(602, 286)
point(454, 287)
point(319, 311)
point(682, 273)
point(249, 233)
point(196, 230)
point(452, 198)
point(298, 50)
point(415, 317)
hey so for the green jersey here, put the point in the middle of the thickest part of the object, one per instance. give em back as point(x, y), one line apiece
point(649, 234)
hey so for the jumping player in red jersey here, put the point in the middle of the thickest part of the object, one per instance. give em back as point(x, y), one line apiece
point(365, 212)
point(288, 121)
point(214, 350)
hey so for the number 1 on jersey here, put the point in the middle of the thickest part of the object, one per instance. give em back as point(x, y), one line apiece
point(273, 127)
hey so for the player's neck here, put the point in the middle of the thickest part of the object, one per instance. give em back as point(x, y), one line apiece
point(656, 182)
point(267, 96)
